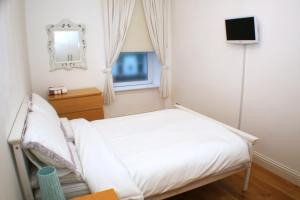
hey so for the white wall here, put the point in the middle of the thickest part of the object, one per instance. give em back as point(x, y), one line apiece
point(272, 87)
point(207, 72)
point(14, 85)
point(41, 13)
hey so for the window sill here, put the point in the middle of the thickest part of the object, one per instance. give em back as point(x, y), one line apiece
point(135, 87)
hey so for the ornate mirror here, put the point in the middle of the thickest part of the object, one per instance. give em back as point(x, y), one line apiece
point(66, 45)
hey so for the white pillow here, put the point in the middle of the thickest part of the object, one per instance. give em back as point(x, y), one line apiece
point(66, 127)
point(46, 141)
point(38, 104)
point(76, 159)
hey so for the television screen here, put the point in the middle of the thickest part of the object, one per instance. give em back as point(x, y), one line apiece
point(241, 29)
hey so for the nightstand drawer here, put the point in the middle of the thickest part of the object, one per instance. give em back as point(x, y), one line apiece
point(90, 115)
point(78, 104)
point(83, 103)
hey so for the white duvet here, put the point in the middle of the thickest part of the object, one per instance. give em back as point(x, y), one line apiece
point(148, 154)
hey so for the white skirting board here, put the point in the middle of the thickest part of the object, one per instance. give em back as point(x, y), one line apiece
point(277, 168)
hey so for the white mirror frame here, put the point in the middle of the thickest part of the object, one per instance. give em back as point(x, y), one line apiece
point(66, 25)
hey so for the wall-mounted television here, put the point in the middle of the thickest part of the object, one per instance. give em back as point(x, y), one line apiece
point(241, 30)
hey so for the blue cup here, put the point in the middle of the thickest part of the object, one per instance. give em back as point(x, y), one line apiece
point(49, 184)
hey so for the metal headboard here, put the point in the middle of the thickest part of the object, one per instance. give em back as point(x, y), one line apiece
point(14, 140)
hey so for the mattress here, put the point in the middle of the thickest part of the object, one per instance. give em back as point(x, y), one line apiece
point(148, 154)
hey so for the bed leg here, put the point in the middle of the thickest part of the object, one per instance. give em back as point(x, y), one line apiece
point(246, 178)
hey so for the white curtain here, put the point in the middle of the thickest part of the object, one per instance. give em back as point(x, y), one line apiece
point(116, 19)
point(156, 18)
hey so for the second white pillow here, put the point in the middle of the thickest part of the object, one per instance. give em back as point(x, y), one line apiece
point(39, 104)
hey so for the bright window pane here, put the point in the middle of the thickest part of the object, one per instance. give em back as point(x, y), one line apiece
point(131, 67)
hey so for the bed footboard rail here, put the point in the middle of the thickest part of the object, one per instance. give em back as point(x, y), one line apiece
point(246, 136)
point(250, 139)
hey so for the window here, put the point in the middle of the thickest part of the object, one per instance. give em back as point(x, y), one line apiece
point(137, 66)
point(131, 67)
point(136, 70)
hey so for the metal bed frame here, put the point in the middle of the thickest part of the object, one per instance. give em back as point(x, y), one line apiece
point(22, 165)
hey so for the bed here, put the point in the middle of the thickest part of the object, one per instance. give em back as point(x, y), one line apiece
point(153, 155)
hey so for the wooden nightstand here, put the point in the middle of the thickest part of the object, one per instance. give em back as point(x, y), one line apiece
point(104, 195)
point(84, 103)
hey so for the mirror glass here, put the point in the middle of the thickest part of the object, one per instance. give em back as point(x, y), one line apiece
point(67, 46)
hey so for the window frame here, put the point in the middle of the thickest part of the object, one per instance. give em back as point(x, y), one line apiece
point(134, 85)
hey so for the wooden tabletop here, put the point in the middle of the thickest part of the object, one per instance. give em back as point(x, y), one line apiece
point(75, 93)
point(104, 195)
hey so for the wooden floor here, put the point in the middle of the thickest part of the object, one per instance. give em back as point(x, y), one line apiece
point(263, 185)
